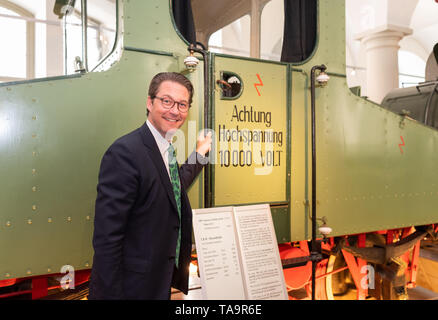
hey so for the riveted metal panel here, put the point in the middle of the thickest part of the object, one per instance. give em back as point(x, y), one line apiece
point(53, 138)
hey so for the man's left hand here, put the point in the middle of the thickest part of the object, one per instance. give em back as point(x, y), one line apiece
point(203, 144)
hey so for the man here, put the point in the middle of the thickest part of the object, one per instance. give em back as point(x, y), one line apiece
point(143, 219)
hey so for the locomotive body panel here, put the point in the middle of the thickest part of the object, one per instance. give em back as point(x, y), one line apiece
point(375, 169)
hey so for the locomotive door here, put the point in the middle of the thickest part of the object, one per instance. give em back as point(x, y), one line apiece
point(250, 124)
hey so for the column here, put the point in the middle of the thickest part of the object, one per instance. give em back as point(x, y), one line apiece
point(381, 47)
point(256, 14)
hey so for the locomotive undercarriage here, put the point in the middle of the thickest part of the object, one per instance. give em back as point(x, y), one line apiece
point(380, 265)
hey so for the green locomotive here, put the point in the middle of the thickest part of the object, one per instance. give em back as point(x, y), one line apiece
point(373, 181)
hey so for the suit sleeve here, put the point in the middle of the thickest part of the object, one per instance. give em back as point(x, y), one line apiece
point(116, 195)
point(191, 168)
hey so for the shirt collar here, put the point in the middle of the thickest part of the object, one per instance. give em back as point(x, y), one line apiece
point(162, 143)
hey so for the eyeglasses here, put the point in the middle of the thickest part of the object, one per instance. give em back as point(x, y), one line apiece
point(168, 103)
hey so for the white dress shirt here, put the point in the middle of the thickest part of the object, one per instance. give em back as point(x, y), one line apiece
point(163, 145)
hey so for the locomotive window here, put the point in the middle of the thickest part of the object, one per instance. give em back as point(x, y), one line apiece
point(42, 41)
point(73, 38)
point(256, 28)
point(101, 34)
point(183, 17)
point(299, 30)
point(271, 37)
point(231, 85)
point(232, 39)
point(102, 31)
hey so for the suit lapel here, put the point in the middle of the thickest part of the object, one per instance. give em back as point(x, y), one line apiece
point(155, 155)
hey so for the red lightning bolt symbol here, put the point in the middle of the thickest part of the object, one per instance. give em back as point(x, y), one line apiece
point(258, 84)
point(400, 145)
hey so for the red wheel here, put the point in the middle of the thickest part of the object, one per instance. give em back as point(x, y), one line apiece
point(295, 278)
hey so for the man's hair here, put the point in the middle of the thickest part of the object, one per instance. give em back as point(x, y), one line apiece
point(170, 76)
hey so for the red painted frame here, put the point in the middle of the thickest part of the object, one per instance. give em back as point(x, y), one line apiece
point(40, 286)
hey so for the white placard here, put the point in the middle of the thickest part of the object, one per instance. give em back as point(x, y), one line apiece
point(238, 254)
point(218, 256)
point(260, 259)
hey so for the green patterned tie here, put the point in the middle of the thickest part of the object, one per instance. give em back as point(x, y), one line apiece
point(174, 178)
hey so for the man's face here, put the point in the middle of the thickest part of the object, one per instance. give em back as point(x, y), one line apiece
point(167, 121)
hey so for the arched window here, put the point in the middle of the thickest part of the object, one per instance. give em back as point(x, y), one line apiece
point(17, 57)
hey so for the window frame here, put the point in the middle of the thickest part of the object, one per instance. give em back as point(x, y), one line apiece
point(91, 23)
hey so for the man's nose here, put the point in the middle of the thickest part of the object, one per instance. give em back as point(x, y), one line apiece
point(174, 110)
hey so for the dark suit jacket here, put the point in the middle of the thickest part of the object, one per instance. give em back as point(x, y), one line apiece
point(136, 222)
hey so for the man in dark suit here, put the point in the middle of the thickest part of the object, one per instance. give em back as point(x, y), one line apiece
point(143, 219)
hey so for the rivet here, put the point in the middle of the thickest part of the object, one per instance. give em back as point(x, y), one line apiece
point(87, 264)
point(34, 153)
point(87, 218)
point(8, 223)
point(49, 220)
point(34, 118)
point(68, 219)
point(33, 171)
point(28, 272)
point(34, 189)
point(34, 207)
point(29, 221)
point(33, 100)
point(33, 135)
point(49, 270)
point(7, 275)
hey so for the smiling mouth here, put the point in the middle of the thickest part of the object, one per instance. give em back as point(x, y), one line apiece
point(171, 120)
